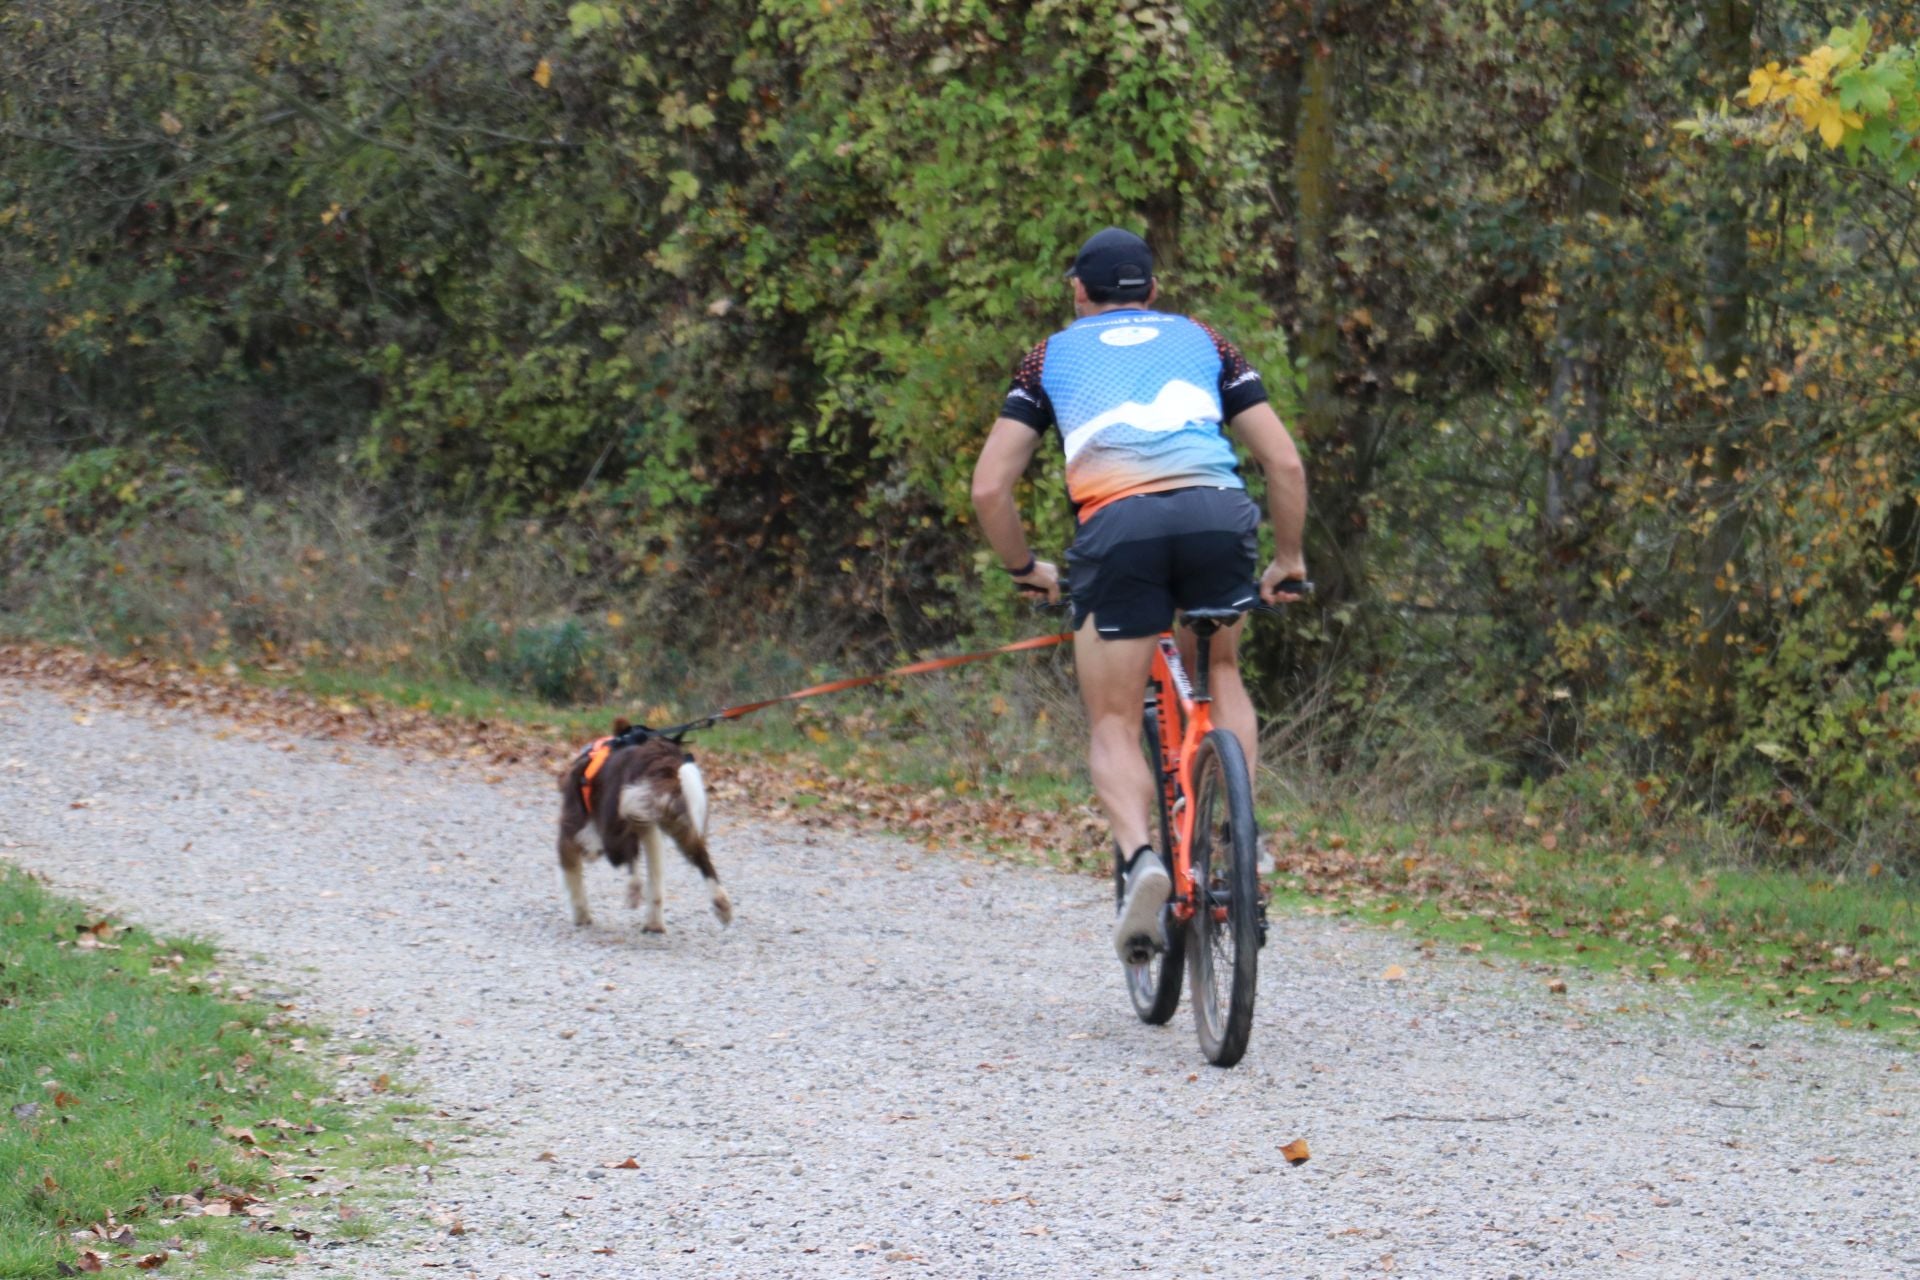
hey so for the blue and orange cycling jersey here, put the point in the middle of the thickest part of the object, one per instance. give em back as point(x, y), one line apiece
point(1139, 397)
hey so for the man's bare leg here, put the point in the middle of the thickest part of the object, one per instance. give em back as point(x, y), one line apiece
point(1113, 682)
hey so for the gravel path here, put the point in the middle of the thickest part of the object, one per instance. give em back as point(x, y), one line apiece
point(907, 1064)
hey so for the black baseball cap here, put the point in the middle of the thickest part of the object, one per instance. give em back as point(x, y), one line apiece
point(1114, 259)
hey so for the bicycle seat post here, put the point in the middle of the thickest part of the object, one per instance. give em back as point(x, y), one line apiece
point(1203, 638)
point(1204, 623)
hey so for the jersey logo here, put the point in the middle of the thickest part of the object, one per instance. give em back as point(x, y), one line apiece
point(1179, 404)
point(1131, 335)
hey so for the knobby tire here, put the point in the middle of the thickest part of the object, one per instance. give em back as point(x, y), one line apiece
point(1223, 955)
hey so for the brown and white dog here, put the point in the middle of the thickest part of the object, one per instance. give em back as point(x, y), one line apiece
point(615, 798)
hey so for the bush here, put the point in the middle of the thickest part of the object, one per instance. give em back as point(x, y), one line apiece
point(560, 661)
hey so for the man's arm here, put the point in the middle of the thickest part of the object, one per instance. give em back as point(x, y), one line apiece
point(1259, 427)
point(1009, 448)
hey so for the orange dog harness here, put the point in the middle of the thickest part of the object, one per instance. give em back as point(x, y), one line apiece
point(596, 753)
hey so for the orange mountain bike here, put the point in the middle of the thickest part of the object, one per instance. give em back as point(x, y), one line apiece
point(1216, 919)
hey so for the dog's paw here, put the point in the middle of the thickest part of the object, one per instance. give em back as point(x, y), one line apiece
point(581, 919)
point(656, 923)
point(723, 906)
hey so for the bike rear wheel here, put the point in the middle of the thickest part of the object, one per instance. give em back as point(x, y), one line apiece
point(1223, 950)
point(1154, 987)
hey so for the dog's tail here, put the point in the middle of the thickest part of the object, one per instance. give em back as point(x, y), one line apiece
point(693, 789)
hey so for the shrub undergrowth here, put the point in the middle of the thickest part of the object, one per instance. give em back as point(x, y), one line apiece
point(134, 550)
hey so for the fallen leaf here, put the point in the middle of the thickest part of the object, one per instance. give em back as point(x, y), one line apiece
point(92, 1260)
point(382, 1083)
point(1394, 973)
point(1296, 1152)
point(153, 1261)
point(1558, 986)
point(543, 73)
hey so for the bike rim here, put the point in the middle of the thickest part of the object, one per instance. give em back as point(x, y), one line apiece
point(1144, 979)
point(1216, 952)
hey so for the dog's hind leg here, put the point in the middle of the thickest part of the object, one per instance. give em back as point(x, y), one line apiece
point(693, 843)
point(572, 856)
point(656, 883)
point(633, 885)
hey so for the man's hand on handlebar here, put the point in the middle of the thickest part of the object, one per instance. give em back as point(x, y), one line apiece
point(1280, 575)
point(1042, 580)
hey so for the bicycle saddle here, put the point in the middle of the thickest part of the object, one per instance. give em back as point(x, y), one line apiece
point(1206, 621)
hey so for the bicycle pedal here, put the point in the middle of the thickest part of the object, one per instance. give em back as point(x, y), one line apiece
point(1143, 949)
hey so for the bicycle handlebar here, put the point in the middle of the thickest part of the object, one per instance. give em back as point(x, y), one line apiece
point(1291, 586)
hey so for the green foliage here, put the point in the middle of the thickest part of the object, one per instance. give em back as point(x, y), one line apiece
point(1046, 123)
point(1849, 101)
point(597, 306)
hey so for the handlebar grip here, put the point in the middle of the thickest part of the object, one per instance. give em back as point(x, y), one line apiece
point(1294, 586)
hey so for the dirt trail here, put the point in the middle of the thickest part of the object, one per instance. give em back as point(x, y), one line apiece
point(907, 1064)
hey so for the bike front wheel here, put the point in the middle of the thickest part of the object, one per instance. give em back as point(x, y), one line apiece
point(1223, 949)
point(1154, 986)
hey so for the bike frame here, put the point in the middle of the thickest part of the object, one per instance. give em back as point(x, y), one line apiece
point(1173, 695)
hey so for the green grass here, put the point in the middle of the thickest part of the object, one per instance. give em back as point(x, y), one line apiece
point(127, 1079)
point(938, 731)
point(1835, 950)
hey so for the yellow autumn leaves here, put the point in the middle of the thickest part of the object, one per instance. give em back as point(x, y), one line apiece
point(1806, 90)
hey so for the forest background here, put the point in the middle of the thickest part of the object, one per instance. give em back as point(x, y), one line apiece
point(638, 353)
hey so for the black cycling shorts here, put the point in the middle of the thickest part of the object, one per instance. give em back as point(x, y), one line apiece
point(1139, 559)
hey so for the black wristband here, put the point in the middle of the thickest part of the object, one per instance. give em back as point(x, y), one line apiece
point(1022, 572)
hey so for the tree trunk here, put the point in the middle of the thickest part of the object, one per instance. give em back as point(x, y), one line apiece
point(1339, 431)
point(1585, 339)
point(1719, 467)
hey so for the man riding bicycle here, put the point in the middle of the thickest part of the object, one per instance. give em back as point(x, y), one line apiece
point(1139, 397)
